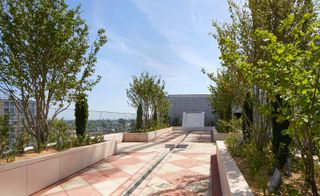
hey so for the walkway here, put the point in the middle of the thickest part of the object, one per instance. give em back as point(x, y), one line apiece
point(184, 171)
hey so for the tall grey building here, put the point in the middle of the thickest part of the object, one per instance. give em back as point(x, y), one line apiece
point(190, 103)
point(7, 107)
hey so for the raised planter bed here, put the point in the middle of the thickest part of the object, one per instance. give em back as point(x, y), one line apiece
point(144, 137)
point(231, 179)
point(29, 176)
point(218, 136)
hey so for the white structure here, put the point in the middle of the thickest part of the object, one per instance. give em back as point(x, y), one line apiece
point(193, 120)
point(190, 103)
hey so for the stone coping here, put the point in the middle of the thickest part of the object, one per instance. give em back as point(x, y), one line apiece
point(206, 128)
point(113, 137)
point(231, 179)
point(145, 137)
point(16, 164)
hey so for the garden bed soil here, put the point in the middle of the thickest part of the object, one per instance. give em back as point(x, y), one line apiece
point(295, 182)
point(30, 154)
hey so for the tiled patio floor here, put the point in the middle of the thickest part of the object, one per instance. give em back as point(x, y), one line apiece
point(114, 174)
point(184, 171)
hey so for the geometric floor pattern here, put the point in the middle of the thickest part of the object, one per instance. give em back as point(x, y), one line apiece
point(104, 177)
point(184, 171)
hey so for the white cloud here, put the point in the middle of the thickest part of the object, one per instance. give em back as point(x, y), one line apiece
point(135, 48)
point(177, 39)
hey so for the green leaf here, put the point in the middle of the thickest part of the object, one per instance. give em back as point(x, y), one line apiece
point(304, 92)
point(305, 81)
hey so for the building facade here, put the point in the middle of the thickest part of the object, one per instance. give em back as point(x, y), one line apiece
point(7, 107)
point(190, 103)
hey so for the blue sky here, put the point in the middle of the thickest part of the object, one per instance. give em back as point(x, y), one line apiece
point(164, 37)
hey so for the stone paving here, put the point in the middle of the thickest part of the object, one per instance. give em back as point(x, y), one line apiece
point(182, 172)
point(115, 173)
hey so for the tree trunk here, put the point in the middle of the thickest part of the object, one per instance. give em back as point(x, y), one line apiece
point(310, 175)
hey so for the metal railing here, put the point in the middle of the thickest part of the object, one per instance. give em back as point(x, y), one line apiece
point(102, 122)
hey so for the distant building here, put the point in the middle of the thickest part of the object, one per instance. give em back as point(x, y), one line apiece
point(7, 107)
point(190, 103)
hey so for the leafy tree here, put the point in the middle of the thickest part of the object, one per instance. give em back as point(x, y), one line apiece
point(222, 94)
point(247, 116)
point(280, 140)
point(46, 57)
point(149, 91)
point(296, 70)
point(139, 117)
point(81, 114)
point(272, 47)
point(155, 115)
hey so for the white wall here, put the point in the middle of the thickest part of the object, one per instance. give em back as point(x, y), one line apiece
point(193, 120)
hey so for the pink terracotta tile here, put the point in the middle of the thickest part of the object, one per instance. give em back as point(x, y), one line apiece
point(95, 177)
point(84, 191)
point(138, 153)
point(114, 173)
point(59, 193)
point(178, 191)
point(181, 177)
point(127, 161)
point(188, 163)
point(172, 178)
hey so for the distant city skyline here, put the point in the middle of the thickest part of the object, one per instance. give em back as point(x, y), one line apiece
point(163, 37)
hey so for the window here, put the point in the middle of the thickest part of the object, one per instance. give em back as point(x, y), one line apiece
point(12, 109)
point(6, 110)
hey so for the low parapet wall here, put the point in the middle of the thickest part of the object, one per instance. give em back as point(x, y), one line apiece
point(180, 128)
point(29, 176)
point(231, 180)
point(113, 137)
point(144, 137)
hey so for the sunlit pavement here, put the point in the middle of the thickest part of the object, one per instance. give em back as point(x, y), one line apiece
point(184, 171)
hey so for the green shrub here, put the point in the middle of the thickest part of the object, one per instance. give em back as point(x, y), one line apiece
point(87, 140)
point(233, 144)
point(97, 139)
point(21, 141)
point(228, 126)
point(11, 156)
point(81, 114)
point(222, 126)
point(254, 157)
point(4, 134)
point(139, 117)
point(58, 133)
point(65, 140)
point(154, 127)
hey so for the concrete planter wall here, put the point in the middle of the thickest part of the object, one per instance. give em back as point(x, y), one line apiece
point(218, 136)
point(29, 176)
point(144, 137)
point(114, 137)
point(231, 179)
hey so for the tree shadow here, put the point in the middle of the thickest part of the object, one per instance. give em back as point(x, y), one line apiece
point(188, 185)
